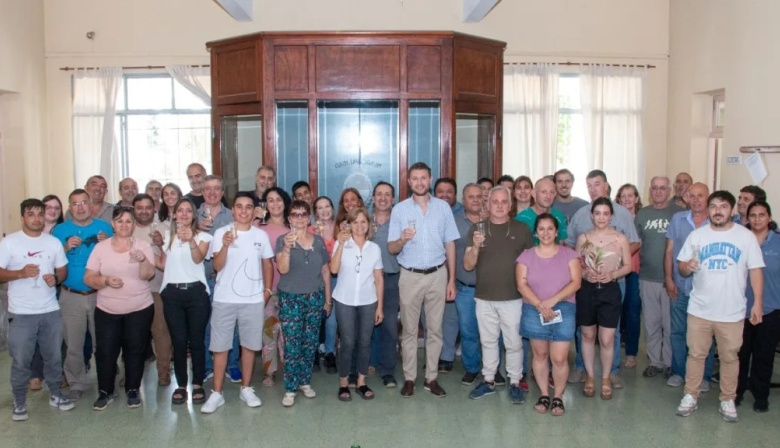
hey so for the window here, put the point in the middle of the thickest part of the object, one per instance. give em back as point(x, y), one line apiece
point(161, 127)
point(571, 139)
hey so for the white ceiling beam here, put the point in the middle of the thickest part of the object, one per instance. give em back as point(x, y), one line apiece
point(476, 10)
point(241, 10)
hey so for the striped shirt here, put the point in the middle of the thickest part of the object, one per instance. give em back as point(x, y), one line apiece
point(434, 229)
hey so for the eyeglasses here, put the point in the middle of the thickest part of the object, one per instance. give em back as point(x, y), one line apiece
point(359, 261)
point(299, 214)
point(79, 204)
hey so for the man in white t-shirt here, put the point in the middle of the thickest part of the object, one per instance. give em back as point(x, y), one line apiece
point(720, 256)
point(242, 258)
point(33, 262)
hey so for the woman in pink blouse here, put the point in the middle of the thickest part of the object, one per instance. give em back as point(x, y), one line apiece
point(120, 268)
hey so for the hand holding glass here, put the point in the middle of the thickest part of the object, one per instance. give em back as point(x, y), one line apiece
point(481, 232)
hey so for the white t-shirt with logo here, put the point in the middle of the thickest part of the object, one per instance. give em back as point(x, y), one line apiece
point(719, 285)
point(241, 279)
point(18, 250)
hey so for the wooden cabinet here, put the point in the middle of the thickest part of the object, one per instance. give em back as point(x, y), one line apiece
point(308, 79)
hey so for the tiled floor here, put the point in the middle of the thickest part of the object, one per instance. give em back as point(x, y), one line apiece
point(642, 414)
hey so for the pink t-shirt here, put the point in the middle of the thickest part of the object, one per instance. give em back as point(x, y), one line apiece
point(135, 294)
point(547, 276)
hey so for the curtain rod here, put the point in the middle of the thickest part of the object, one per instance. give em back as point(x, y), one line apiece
point(580, 63)
point(144, 67)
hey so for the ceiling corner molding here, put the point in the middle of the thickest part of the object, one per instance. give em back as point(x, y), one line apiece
point(241, 10)
point(476, 10)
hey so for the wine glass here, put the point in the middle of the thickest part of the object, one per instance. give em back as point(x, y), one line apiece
point(348, 228)
point(695, 254)
point(180, 225)
point(206, 211)
point(35, 279)
point(234, 231)
point(262, 205)
point(481, 230)
point(132, 250)
point(319, 227)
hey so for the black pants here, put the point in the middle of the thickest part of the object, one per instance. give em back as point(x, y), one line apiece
point(128, 333)
point(757, 356)
point(187, 313)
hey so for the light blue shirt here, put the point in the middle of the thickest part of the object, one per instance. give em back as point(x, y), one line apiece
point(621, 220)
point(770, 248)
point(434, 229)
point(679, 228)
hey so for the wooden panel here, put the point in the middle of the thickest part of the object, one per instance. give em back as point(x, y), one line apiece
point(375, 68)
point(291, 68)
point(237, 73)
point(424, 68)
point(476, 74)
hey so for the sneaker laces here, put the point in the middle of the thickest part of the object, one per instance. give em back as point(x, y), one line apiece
point(688, 401)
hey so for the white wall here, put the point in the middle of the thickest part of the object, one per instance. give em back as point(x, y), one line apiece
point(160, 32)
point(24, 168)
point(721, 44)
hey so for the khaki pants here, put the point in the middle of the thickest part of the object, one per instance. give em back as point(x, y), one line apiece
point(729, 338)
point(78, 314)
point(416, 291)
point(161, 339)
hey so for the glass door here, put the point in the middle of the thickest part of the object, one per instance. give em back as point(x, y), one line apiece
point(241, 149)
point(475, 145)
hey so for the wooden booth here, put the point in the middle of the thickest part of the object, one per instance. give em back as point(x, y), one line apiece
point(348, 109)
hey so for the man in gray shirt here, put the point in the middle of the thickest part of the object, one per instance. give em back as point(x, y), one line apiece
point(564, 201)
point(651, 223)
point(446, 189)
point(581, 222)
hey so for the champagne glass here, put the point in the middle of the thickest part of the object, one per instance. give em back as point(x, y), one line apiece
point(348, 228)
point(598, 272)
point(319, 227)
point(481, 230)
point(696, 253)
point(35, 279)
point(234, 231)
point(262, 205)
point(206, 211)
point(132, 250)
point(179, 225)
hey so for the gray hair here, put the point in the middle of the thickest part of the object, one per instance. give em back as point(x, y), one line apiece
point(499, 188)
point(469, 185)
point(214, 177)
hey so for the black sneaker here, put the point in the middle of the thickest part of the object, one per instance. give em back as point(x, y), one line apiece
point(445, 366)
point(133, 399)
point(102, 402)
point(499, 379)
point(469, 378)
point(330, 363)
point(316, 367)
point(715, 377)
point(652, 371)
point(389, 381)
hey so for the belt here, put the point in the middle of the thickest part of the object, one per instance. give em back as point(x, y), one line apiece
point(466, 284)
point(184, 285)
point(425, 271)
point(81, 293)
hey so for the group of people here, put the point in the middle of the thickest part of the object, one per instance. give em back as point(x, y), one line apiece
point(517, 268)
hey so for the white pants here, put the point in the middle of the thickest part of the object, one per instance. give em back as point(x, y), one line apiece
point(493, 319)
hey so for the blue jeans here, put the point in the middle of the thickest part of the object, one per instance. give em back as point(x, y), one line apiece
point(331, 327)
point(471, 350)
point(232, 362)
point(632, 308)
point(679, 333)
point(579, 365)
point(449, 332)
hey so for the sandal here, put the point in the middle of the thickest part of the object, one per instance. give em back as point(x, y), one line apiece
point(365, 392)
point(542, 405)
point(198, 395)
point(179, 396)
point(345, 394)
point(606, 389)
point(589, 389)
point(557, 408)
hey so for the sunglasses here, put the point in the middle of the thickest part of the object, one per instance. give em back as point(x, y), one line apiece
point(299, 214)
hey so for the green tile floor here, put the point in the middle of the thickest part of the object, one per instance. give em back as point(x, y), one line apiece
point(641, 415)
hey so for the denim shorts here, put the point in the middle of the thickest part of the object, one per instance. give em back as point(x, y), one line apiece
point(531, 326)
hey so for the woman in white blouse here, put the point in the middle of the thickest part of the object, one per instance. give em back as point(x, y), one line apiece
point(358, 263)
point(185, 297)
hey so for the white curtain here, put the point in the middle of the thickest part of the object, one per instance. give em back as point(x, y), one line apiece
point(613, 110)
point(95, 145)
point(530, 120)
point(195, 79)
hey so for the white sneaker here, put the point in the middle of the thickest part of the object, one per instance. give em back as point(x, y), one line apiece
point(308, 392)
point(61, 402)
point(289, 399)
point(213, 403)
point(249, 397)
point(704, 387)
point(728, 411)
point(687, 406)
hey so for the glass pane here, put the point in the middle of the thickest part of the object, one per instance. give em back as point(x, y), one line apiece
point(171, 141)
point(187, 100)
point(149, 93)
point(241, 146)
point(120, 96)
point(569, 92)
point(292, 143)
point(357, 146)
point(425, 134)
point(474, 147)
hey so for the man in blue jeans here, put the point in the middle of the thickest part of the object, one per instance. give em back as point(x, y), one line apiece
point(679, 287)
point(446, 189)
